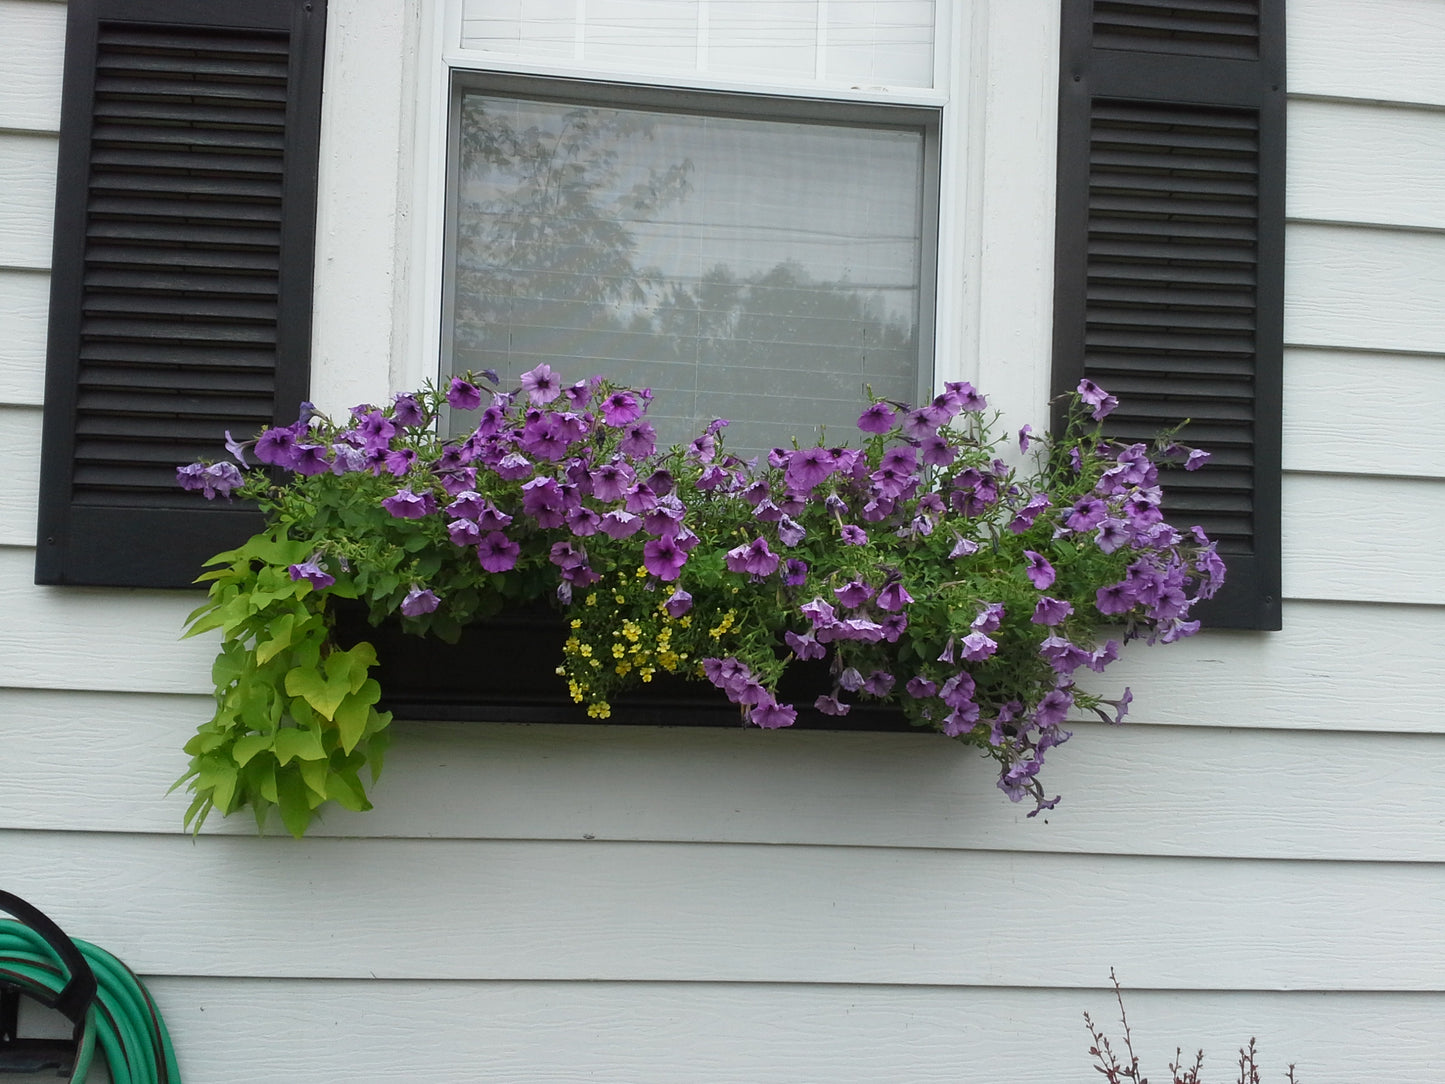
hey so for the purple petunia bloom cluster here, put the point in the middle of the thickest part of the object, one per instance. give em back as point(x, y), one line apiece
point(916, 566)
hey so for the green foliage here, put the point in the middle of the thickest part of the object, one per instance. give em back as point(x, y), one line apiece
point(296, 717)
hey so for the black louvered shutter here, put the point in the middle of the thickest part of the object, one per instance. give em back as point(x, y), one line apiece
point(1169, 287)
point(180, 301)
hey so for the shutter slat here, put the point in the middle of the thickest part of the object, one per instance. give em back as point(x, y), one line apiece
point(247, 95)
point(242, 137)
point(189, 210)
point(180, 161)
point(202, 261)
point(215, 335)
point(1191, 27)
point(169, 280)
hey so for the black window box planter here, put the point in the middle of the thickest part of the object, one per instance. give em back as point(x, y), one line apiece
point(504, 669)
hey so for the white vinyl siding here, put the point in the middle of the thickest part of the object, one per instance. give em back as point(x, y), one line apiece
point(1259, 853)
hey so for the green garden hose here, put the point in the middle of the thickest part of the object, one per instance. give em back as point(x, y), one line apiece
point(40, 961)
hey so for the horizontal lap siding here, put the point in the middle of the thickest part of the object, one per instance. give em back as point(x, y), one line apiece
point(703, 1033)
point(1193, 791)
point(27, 172)
point(581, 910)
point(24, 301)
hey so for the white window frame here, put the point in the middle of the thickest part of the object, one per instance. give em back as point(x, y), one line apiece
point(381, 221)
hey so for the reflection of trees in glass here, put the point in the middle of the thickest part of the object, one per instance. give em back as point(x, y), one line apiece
point(750, 321)
point(548, 267)
point(544, 213)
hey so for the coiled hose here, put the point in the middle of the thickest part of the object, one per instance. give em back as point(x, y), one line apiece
point(39, 960)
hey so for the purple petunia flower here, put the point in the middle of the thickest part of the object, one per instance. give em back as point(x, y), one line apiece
point(277, 447)
point(1087, 513)
point(1040, 573)
point(237, 448)
point(1053, 708)
point(853, 594)
point(920, 688)
point(542, 499)
point(962, 547)
point(621, 408)
point(663, 559)
point(961, 719)
point(795, 572)
point(879, 683)
point(804, 646)
point(497, 553)
point(853, 535)
point(1096, 397)
point(965, 395)
point(406, 411)
point(937, 452)
point(878, 418)
point(310, 460)
point(1121, 706)
point(1197, 458)
point(541, 384)
point(620, 524)
point(989, 618)
point(582, 521)
point(1064, 656)
point(1050, 611)
point(807, 468)
point(1116, 598)
point(513, 467)
point(611, 480)
point(640, 441)
point(346, 459)
point(770, 715)
point(405, 504)
point(893, 597)
point(1028, 513)
point(312, 573)
point(831, 705)
point(462, 395)
point(678, 603)
point(753, 557)
point(818, 612)
point(419, 600)
point(464, 532)
point(978, 646)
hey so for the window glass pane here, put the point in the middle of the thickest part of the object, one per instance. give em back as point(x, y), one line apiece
point(837, 42)
point(757, 270)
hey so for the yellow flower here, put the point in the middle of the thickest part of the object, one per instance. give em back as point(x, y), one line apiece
point(592, 599)
point(576, 622)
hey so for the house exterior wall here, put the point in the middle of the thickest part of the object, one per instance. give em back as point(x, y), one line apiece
point(1259, 853)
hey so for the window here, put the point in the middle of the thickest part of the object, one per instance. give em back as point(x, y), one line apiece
point(760, 259)
point(984, 70)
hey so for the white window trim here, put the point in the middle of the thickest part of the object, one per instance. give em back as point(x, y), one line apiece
point(380, 220)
